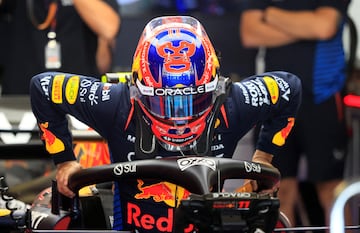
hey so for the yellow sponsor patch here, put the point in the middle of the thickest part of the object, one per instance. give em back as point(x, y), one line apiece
point(56, 92)
point(273, 89)
point(4, 212)
point(280, 137)
point(72, 89)
point(136, 65)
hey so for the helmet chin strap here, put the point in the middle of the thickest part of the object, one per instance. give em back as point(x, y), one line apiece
point(203, 144)
point(145, 142)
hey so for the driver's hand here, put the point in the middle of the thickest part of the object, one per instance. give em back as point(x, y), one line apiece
point(251, 185)
point(247, 187)
point(64, 171)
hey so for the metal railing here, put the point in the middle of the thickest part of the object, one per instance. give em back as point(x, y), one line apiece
point(345, 191)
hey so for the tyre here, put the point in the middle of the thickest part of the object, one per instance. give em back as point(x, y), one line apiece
point(283, 222)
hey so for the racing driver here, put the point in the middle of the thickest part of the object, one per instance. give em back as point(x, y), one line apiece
point(176, 103)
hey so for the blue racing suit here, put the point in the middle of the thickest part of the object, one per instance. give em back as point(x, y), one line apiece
point(271, 99)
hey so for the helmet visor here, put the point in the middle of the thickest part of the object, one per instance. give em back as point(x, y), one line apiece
point(177, 107)
point(181, 103)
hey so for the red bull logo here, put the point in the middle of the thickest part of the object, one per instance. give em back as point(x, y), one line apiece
point(280, 137)
point(139, 219)
point(147, 221)
point(52, 143)
point(162, 192)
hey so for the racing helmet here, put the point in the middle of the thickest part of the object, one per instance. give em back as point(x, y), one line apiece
point(175, 72)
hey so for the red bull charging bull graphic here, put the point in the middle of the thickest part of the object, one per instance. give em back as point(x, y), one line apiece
point(166, 192)
point(280, 137)
point(53, 144)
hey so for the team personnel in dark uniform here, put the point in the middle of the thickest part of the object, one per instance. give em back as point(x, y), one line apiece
point(305, 38)
point(58, 35)
point(174, 100)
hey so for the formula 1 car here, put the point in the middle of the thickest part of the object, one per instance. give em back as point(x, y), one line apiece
point(209, 211)
point(91, 209)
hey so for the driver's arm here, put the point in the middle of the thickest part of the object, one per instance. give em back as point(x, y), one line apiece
point(63, 171)
point(262, 157)
point(271, 99)
point(54, 95)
